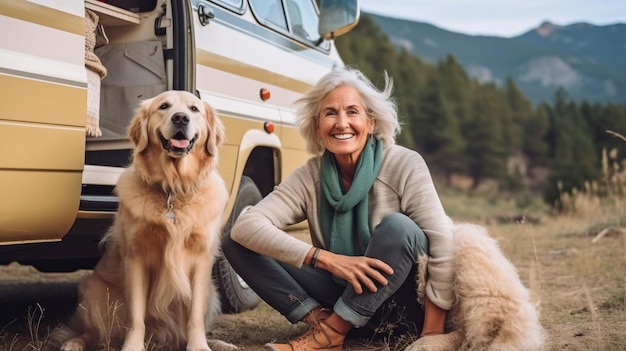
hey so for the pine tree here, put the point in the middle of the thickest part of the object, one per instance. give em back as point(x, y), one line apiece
point(455, 86)
point(534, 143)
point(575, 161)
point(408, 82)
point(437, 132)
point(486, 152)
point(519, 110)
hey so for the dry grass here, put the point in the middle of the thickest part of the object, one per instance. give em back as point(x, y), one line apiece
point(580, 285)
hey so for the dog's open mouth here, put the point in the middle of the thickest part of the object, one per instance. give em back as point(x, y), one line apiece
point(178, 143)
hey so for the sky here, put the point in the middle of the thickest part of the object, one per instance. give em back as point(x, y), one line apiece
point(503, 18)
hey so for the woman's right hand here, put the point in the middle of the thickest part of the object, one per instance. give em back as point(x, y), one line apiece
point(358, 271)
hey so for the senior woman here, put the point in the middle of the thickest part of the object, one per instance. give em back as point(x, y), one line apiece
point(372, 210)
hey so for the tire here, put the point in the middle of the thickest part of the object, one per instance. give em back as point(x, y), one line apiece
point(235, 295)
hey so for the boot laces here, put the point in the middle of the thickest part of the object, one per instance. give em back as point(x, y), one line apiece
point(316, 332)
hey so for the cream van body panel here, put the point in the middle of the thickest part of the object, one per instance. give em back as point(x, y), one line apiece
point(42, 125)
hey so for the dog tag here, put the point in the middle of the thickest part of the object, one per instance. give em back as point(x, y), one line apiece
point(170, 206)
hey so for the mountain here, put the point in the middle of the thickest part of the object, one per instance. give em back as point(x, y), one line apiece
point(589, 61)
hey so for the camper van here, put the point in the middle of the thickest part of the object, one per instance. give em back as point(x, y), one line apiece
point(72, 73)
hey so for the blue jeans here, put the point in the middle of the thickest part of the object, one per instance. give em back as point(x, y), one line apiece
point(292, 291)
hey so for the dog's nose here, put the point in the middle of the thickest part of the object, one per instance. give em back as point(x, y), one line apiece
point(180, 119)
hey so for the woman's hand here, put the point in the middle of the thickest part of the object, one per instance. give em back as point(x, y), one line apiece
point(359, 271)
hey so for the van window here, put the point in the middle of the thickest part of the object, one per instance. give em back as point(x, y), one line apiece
point(236, 5)
point(299, 18)
point(303, 18)
point(269, 12)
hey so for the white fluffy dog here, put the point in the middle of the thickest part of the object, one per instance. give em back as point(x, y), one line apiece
point(493, 310)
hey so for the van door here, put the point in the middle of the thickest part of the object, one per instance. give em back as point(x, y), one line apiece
point(251, 64)
point(43, 104)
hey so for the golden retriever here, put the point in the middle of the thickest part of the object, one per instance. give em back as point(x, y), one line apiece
point(153, 283)
point(493, 310)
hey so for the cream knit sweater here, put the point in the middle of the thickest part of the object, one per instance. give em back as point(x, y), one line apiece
point(403, 185)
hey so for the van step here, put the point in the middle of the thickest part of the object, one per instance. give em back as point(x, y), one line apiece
point(104, 203)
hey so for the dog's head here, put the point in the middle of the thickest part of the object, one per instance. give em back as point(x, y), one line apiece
point(178, 122)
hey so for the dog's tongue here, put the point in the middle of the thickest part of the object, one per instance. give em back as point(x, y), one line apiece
point(179, 143)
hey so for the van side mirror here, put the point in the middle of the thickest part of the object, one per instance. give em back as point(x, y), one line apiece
point(337, 17)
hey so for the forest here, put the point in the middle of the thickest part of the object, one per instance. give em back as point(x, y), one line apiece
point(486, 132)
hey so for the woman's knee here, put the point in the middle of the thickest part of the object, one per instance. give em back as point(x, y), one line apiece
point(399, 229)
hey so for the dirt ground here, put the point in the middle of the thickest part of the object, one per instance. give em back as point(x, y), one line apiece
point(579, 285)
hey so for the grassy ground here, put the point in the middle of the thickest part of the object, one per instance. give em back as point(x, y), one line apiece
point(578, 282)
point(573, 263)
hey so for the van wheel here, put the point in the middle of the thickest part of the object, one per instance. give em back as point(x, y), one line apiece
point(235, 295)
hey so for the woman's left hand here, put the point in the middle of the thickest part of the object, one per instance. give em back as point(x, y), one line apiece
point(359, 271)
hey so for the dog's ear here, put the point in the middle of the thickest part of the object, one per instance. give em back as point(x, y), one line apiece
point(138, 128)
point(217, 133)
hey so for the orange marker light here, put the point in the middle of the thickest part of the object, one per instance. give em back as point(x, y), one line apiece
point(265, 94)
point(269, 127)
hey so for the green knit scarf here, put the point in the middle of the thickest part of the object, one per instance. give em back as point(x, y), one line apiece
point(344, 218)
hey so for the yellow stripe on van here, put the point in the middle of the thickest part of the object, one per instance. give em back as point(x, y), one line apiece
point(29, 100)
point(40, 147)
point(42, 15)
point(239, 68)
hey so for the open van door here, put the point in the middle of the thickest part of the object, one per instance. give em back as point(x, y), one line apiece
point(43, 108)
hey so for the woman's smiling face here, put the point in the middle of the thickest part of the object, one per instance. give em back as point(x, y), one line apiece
point(343, 124)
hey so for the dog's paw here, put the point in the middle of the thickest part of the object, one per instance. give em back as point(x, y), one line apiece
point(74, 344)
point(197, 342)
point(440, 342)
point(134, 342)
point(133, 347)
point(219, 345)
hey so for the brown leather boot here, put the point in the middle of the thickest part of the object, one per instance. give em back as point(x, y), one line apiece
point(316, 315)
point(321, 336)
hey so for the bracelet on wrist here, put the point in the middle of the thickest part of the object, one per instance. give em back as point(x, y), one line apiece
point(316, 254)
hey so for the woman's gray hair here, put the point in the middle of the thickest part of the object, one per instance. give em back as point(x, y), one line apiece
point(380, 106)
